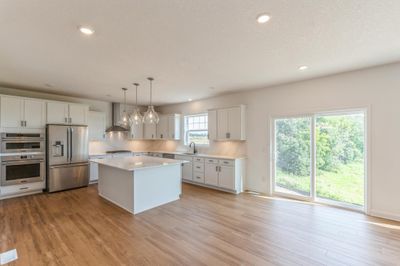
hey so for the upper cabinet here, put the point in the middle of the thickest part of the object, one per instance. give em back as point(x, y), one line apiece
point(65, 113)
point(162, 127)
point(227, 123)
point(149, 131)
point(21, 113)
point(137, 131)
point(96, 125)
point(169, 127)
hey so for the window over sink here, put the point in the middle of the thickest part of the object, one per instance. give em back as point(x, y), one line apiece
point(196, 129)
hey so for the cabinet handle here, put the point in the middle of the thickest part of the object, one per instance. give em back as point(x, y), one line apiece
point(70, 120)
point(198, 167)
point(25, 123)
point(162, 135)
point(228, 135)
point(23, 188)
point(216, 168)
point(22, 123)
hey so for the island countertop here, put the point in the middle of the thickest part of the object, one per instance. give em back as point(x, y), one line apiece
point(137, 162)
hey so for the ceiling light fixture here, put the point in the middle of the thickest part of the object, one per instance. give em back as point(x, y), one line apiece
point(86, 30)
point(151, 116)
point(124, 119)
point(136, 117)
point(302, 68)
point(263, 18)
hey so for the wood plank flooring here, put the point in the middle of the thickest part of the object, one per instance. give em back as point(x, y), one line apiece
point(205, 227)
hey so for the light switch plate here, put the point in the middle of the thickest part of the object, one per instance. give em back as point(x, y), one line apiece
point(8, 256)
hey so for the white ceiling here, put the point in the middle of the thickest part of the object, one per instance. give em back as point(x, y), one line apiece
point(194, 49)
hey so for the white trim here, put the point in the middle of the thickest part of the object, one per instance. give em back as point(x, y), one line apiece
point(385, 215)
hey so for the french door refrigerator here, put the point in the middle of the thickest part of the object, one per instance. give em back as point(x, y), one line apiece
point(67, 157)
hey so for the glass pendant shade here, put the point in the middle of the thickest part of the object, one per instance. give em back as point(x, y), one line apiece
point(136, 117)
point(151, 116)
point(124, 119)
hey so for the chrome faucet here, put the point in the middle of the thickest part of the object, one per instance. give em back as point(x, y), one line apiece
point(194, 147)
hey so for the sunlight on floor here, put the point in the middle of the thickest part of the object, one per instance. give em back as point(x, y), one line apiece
point(385, 225)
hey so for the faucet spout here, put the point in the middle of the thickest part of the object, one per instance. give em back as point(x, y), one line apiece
point(194, 146)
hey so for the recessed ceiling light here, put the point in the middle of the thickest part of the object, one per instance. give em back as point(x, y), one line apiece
point(189, 100)
point(263, 18)
point(302, 68)
point(86, 30)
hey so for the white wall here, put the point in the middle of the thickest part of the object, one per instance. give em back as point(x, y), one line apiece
point(376, 88)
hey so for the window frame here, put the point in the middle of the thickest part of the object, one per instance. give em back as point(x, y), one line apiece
point(186, 131)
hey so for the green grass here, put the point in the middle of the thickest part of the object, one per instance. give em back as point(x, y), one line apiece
point(346, 184)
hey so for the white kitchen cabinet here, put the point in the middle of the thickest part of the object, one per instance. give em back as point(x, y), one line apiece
point(150, 131)
point(218, 173)
point(78, 114)
point(187, 168)
point(17, 112)
point(93, 172)
point(96, 125)
point(174, 126)
point(227, 123)
point(169, 127)
point(212, 124)
point(211, 174)
point(137, 131)
point(57, 113)
point(34, 113)
point(11, 112)
point(65, 113)
point(226, 177)
point(162, 127)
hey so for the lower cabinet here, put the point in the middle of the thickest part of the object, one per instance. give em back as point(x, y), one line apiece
point(211, 174)
point(22, 189)
point(224, 174)
point(226, 177)
point(187, 169)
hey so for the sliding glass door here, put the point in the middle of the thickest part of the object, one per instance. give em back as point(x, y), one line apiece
point(293, 156)
point(321, 157)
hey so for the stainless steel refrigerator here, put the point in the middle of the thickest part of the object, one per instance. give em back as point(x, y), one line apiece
point(67, 157)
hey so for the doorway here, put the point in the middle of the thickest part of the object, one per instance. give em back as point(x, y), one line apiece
point(321, 157)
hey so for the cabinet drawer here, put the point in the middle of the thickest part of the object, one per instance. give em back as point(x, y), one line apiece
point(210, 160)
point(23, 188)
point(198, 177)
point(227, 162)
point(199, 159)
point(199, 167)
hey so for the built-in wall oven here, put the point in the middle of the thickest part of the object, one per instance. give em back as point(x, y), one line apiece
point(20, 169)
point(22, 142)
point(22, 158)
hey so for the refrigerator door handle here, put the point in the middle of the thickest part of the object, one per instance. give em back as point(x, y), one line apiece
point(70, 135)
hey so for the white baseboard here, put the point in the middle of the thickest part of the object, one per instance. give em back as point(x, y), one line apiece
point(386, 215)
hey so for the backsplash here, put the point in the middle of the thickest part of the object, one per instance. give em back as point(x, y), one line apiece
point(118, 142)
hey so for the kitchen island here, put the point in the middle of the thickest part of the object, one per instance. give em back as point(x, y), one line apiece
point(139, 183)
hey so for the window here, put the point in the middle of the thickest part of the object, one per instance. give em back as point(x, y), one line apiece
point(196, 129)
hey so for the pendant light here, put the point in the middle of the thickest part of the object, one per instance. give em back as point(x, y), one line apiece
point(151, 116)
point(136, 117)
point(124, 120)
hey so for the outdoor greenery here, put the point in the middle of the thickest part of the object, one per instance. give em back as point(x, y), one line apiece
point(339, 160)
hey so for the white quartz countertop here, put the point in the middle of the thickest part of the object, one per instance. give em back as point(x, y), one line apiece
point(137, 162)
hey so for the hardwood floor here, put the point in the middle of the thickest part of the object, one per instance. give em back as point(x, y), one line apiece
point(205, 227)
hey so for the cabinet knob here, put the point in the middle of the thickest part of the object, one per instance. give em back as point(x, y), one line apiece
point(228, 135)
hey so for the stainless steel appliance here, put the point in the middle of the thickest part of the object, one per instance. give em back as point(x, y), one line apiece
point(22, 168)
point(67, 157)
point(22, 142)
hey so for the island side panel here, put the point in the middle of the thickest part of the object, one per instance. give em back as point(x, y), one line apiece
point(156, 186)
point(116, 185)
